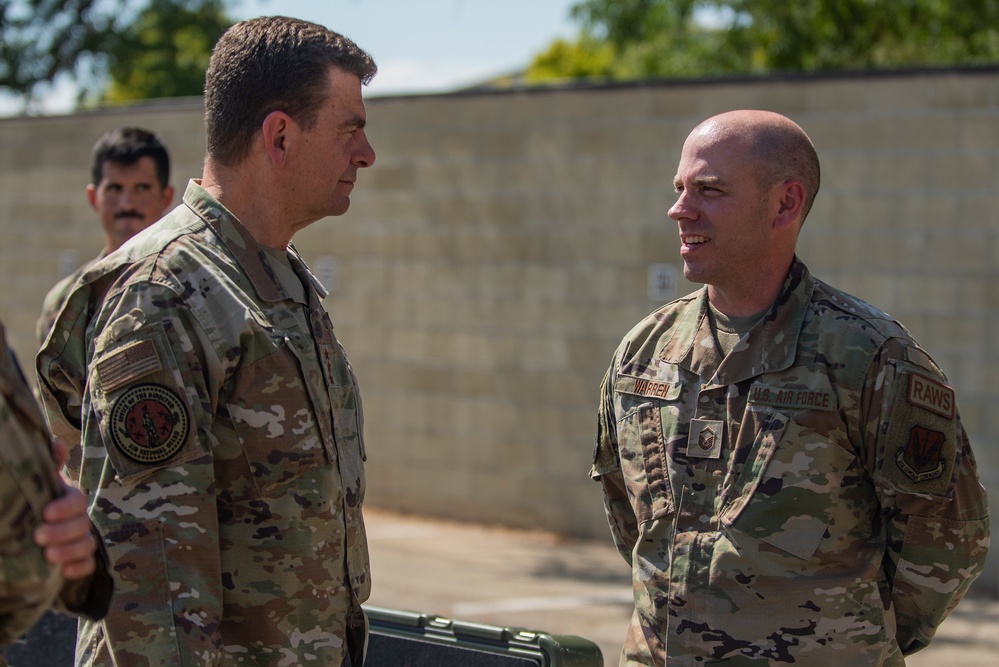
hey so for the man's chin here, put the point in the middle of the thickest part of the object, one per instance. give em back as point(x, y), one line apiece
point(340, 206)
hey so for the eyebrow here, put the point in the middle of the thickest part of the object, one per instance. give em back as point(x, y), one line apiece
point(357, 122)
point(699, 181)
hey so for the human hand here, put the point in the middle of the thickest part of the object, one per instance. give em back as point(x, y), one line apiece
point(60, 451)
point(66, 535)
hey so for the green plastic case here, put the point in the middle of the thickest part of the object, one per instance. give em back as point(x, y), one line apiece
point(412, 639)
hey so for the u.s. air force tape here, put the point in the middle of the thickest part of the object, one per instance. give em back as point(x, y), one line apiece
point(149, 423)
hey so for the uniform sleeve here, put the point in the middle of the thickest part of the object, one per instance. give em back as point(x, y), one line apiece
point(148, 468)
point(934, 507)
point(51, 305)
point(61, 371)
point(28, 583)
point(606, 469)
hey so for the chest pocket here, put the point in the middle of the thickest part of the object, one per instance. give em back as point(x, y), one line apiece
point(274, 418)
point(786, 485)
point(642, 442)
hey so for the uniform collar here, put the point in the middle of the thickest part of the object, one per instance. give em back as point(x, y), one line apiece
point(768, 347)
point(248, 253)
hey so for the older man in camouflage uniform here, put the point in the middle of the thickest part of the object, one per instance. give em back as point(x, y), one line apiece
point(221, 422)
point(784, 467)
point(46, 548)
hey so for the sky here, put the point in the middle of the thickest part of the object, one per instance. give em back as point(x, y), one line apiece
point(433, 45)
point(420, 46)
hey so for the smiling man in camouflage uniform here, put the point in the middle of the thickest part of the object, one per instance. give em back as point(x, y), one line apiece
point(783, 466)
point(221, 422)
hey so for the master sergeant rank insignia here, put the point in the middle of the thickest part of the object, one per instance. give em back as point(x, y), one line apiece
point(705, 440)
point(149, 423)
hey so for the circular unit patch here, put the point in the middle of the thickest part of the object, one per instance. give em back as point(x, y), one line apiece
point(149, 423)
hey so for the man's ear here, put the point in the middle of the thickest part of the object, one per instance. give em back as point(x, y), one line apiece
point(791, 204)
point(92, 196)
point(275, 129)
point(168, 193)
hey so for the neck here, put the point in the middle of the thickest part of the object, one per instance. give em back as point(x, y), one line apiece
point(747, 297)
point(253, 203)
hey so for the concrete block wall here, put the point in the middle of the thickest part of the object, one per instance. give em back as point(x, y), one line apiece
point(501, 246)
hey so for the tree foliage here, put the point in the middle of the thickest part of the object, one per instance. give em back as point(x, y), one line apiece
point(39, 39)
point(165, 52)
point(113, 49)
point(632, 39)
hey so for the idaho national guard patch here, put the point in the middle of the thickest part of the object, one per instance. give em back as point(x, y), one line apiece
point(149, 423)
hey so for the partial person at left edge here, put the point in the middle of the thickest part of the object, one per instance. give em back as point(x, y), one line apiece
point(129, 190)
point(49, 555)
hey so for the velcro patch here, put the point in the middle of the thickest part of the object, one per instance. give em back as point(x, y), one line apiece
point(919, 432)
point(705, 439)
point(668, 391)
point(792, 397)
point(149, 423)
point(932, 395)
point(128, 364)
point(922, 456)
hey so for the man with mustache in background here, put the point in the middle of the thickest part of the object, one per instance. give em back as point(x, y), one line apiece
point(129, 190)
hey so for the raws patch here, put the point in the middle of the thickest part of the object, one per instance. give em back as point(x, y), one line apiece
point(931, 395)
point(149, 423)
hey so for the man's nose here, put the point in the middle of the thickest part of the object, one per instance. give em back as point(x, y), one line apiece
point(680, 209)
point(365, 154)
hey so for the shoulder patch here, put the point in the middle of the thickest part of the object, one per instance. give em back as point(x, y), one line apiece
point(920, 433)
point(149, 423)
point(128, 364)
point(934, 396)
point(921, 458)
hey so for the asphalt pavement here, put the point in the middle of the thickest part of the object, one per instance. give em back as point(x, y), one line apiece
point(544, 582)
point(533, 580)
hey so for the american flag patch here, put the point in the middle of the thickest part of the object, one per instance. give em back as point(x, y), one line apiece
point(128, 364)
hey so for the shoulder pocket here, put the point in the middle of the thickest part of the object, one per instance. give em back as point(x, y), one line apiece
point(919, 439)
point(142, 398)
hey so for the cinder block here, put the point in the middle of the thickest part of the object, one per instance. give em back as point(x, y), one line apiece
point(497, 252)
point(838, 98)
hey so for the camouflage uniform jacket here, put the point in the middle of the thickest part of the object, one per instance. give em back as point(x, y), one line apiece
point(221, 447)
point(810, 499)
point(28, 481)
point(55, 298)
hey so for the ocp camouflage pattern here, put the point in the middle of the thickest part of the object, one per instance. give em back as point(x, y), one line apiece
point(28, 481)
point(810, 499)
point(221, 447)
point(55, 298)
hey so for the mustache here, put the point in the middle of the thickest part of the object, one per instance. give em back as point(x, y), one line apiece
point(129, 213)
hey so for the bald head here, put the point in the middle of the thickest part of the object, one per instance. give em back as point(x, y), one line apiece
point(778, 147)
